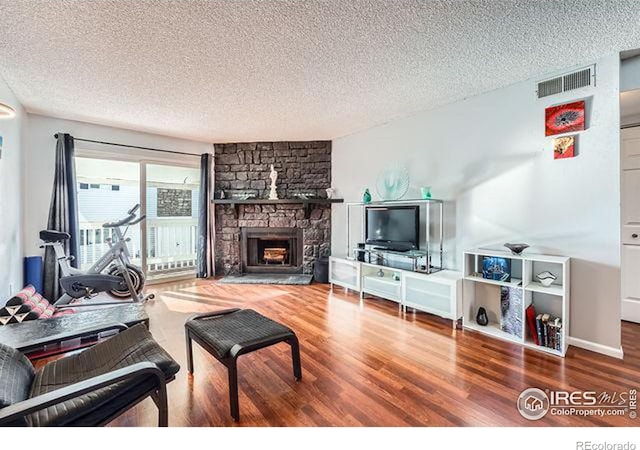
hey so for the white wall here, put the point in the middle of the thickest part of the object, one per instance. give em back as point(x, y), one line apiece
point(488, 154)
point(11, 188)
point(40, 154)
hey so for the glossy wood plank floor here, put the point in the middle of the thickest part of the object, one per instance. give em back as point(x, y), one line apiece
point(367, 365)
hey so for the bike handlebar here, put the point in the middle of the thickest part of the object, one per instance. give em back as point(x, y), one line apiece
point(129, 220)
point(138, 220)
point(119, 223)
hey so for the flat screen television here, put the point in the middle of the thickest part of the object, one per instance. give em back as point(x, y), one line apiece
point(393, 227)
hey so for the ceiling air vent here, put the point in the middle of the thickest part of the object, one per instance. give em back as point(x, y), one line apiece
point(568, 82)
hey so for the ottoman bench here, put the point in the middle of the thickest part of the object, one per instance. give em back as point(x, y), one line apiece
point(227, 334)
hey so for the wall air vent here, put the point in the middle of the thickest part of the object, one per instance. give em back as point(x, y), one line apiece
point(568, 82)
point(549, 87)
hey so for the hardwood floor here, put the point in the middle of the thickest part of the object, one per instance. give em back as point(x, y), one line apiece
point(367, 366)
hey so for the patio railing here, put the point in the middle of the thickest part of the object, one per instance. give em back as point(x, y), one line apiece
point(171, 244)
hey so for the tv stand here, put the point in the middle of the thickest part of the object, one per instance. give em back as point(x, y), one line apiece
point(438, 293)
point(432, 241)
point(377, 255)
point(392, 249)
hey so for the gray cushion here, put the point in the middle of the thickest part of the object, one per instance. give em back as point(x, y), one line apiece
point(223, 332)
point(126, 348)
point(16, 375)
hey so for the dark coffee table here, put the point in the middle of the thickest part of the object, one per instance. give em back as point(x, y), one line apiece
point(46, 337)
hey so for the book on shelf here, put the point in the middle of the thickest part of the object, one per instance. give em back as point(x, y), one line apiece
point(548, 330)
point(531, 321)
point(558, 334)
point(539, 329)
point(545, 329)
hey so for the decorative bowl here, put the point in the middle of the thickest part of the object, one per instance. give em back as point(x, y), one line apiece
point(393, 183)
point(243, 195)
point(546, 278)
point(516, 249)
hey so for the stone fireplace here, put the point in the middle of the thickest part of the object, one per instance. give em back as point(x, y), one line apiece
point(271, 250)
point(292, 236)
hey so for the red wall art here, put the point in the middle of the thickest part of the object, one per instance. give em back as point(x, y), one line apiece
point(564, 118)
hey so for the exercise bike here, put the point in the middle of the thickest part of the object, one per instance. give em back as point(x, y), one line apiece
point(112, 273)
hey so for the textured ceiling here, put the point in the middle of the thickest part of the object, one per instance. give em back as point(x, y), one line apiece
point(284, 70)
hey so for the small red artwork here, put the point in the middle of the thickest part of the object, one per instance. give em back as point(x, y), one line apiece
point(564, 118)
point(564, 147)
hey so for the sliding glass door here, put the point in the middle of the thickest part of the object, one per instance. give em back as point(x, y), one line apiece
point(164, 245)
point(172, 219)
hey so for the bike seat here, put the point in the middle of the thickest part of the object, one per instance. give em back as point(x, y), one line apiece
point(54, 236)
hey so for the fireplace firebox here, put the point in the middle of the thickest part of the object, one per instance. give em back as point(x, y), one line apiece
point(271, 250)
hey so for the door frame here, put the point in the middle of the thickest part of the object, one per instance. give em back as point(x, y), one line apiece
point(630, 307)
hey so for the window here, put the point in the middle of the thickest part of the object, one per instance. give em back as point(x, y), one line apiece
point(115, 187)
point(94, 186)
point(84, 186)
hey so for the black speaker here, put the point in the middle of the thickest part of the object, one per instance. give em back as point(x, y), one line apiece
point(321, 270)
point(360, 256)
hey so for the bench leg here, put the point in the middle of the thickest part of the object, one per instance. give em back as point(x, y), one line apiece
point(295, 357)
point(232, 370)
point(189, 351)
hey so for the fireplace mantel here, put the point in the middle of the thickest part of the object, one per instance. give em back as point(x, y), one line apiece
point(307, 203)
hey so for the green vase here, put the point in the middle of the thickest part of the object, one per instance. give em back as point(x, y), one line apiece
point(366, 197)
point(426, 192)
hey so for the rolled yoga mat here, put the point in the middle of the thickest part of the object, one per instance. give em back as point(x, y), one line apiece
point(33, 272)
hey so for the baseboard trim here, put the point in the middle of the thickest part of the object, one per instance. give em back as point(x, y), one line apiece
point(631, 310)
point(595, 347)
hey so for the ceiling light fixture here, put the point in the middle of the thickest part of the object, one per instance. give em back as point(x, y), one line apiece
point(7, 112)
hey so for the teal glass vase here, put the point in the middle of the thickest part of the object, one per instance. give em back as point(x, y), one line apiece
point(366, 197)
point(426, 192)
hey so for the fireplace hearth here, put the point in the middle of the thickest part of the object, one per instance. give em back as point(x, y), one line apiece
point(271, 250)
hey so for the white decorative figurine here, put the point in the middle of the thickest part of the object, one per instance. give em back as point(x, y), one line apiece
point(273, 195)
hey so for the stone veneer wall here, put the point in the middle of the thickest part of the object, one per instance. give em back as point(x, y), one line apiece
point(303, 167)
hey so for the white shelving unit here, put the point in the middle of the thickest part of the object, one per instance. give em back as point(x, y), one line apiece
point(481, 292)
point(379, 281)
point(438, 293)
point(344, 272)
